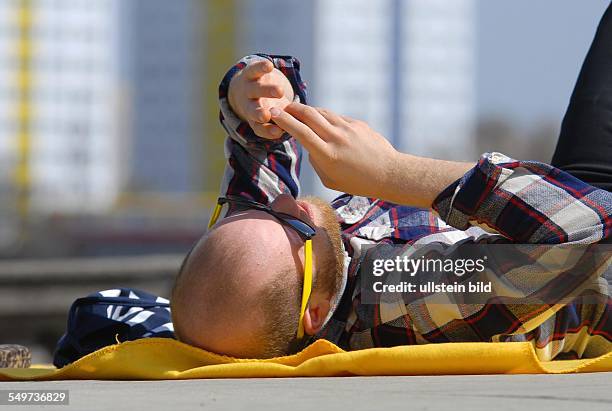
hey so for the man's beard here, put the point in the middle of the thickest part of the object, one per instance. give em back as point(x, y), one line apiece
point(329, 274)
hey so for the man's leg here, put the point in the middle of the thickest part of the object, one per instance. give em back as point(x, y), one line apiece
point(585, 143)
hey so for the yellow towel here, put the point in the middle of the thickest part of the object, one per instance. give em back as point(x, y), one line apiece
point(167, 359)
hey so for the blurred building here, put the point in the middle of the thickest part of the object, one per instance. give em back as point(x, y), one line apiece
point(353, 60)
point(59, 142)
point(98, 100)
point(435, 111)
point(162, 58)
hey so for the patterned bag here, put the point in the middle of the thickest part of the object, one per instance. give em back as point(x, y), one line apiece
point(111, 316)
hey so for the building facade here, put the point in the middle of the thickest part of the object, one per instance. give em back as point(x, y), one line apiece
point(59, 143)
point(163, 64)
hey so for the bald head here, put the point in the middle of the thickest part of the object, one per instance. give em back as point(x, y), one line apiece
point(239, 290)
point(221, 301)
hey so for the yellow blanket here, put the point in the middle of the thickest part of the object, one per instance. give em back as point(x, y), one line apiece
point(162, 358)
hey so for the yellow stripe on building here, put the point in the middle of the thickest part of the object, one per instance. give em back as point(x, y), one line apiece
point(23, 106)
point(220, 22)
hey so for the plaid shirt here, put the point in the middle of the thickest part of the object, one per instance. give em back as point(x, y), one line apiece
point(499, 200)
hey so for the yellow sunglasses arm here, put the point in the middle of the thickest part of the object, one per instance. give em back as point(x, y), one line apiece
point(307, 285)
point(215, 215)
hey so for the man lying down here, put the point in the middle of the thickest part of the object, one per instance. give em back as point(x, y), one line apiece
point(244, 289)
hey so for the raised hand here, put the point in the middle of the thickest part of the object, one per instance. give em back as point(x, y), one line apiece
point(346, 153)
point(254, 91)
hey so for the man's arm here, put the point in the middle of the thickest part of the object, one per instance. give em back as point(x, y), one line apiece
point(262, 160)
point(527, 202)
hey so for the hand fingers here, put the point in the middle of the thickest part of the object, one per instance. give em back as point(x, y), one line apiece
point(312, 118)
point(311, 142)
point(348, 119)
point(255, 89)
point(255, 70)
point(333, 118)
point(256, 112)
point(268, 130)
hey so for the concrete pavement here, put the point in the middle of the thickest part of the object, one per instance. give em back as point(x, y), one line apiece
point(497, 392)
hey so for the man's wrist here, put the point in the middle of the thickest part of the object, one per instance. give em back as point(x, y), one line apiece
point(393, 180)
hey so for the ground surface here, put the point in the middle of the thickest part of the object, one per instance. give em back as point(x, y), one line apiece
point(498, 392)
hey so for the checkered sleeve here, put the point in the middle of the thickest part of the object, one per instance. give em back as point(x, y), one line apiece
point(258, 168)
point(527, 202)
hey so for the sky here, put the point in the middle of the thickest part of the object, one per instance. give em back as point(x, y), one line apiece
point(529, 54)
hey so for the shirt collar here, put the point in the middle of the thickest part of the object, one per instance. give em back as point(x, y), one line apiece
point(336, 300)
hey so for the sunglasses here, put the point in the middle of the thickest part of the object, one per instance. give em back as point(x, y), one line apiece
point(305, 230)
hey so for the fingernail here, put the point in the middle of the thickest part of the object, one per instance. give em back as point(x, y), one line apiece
point(274, 112)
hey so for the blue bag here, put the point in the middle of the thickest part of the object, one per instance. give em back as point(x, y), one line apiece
point(110, 316)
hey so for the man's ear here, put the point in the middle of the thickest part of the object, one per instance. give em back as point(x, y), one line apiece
point(315, 314)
